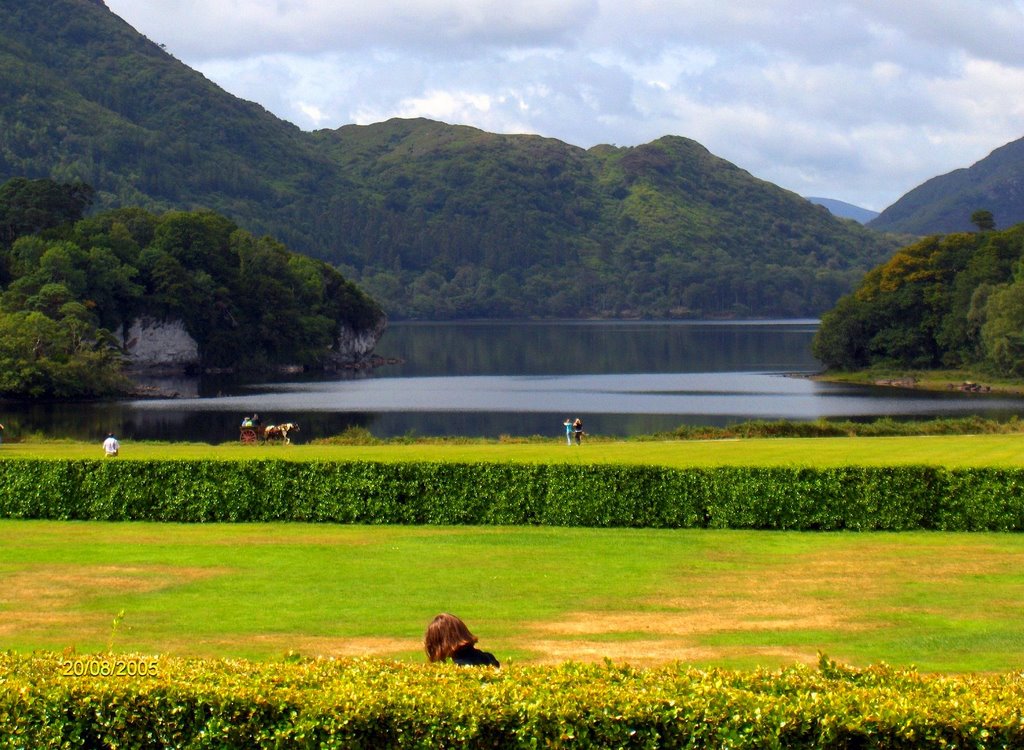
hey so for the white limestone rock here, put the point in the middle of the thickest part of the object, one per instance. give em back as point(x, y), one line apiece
point(151, 344)
point(353, 348)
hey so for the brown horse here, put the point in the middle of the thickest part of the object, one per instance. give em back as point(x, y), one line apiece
point(280, 432)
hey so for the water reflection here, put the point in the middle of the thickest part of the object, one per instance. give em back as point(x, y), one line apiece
point(524, 379)
point(489, 348)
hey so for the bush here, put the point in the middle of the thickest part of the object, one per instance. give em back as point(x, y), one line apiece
point(858, 498)
point(883, 426)
point(373, 704)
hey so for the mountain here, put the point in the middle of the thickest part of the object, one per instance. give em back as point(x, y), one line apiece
point(455, 222)
point(845, 210)
point(434, 220)
point(944, 204)
point(83, 96)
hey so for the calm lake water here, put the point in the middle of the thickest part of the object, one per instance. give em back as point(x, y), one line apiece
point(488, 379)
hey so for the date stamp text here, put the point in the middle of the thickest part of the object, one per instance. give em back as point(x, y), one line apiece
point(109, 667)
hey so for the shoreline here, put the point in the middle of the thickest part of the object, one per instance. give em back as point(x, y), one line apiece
point(962, 381)
point(144, 382)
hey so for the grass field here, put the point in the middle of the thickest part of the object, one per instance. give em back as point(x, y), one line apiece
point(943, 602)
point(946, 450)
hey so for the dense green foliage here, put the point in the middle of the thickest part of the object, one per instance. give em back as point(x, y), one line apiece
point(373, 704)
point(68, 293)
point(433, 220)
point(757, 428)
point(946, 203)
point(860, 498)
point(51, 345)
point(65, 356)
point(30, 206)
point(945, 301)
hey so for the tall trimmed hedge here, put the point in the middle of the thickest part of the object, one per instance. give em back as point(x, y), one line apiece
point(371, 704)
point(861, 498)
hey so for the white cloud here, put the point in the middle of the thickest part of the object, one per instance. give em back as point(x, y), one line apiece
point(448, 106)
point(859, 100)
point(240, 28)
point(312, 113)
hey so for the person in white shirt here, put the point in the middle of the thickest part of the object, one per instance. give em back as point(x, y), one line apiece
point(111, 446)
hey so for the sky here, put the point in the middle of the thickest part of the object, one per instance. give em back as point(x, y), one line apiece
point(856, 100)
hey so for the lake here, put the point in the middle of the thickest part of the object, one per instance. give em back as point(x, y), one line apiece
point(494, 378)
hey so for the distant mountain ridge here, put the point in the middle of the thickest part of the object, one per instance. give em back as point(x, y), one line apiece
point(434, 220)
point(845, 210)
point(945, 203)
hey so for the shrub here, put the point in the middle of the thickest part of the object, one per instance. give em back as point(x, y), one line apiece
point(858, 498)
point(372, 704)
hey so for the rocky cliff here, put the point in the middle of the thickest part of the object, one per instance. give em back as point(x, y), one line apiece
point(353, 348)
point(159, 345)
point(166, 346)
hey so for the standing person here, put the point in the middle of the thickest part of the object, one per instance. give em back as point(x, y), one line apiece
point(110, 446)
point(447, 637)
point(577, 430)
point(568, 431)
point(1, 434)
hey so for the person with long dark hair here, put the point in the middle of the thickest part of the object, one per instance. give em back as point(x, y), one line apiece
point(447, 637)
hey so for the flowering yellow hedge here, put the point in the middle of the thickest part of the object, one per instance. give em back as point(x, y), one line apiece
point(52, 701)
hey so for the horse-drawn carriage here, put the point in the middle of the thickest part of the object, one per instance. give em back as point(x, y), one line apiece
point(252, 431)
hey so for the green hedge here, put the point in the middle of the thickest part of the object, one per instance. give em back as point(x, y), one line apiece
point(375, 704)
point(862, 498)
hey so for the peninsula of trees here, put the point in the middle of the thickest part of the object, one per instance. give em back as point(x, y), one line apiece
point(70, 285)
point(946, 301)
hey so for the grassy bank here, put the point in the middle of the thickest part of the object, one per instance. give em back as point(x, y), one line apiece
point(758, 428)
point(941, 450)
point(943, 602)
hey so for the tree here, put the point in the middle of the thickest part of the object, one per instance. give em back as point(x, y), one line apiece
point(983, 220)
point(948, 301)
point(844, 336)
point(30, 206)
point(43, 357)
point(1003, 332)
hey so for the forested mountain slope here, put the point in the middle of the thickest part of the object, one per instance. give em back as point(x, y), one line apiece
point(434, 220)
point(945, 204)
point(458, 222)
point(84, 97)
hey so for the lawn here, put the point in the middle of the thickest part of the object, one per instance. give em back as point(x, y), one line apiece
point(945, 450)
point(942, 602)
